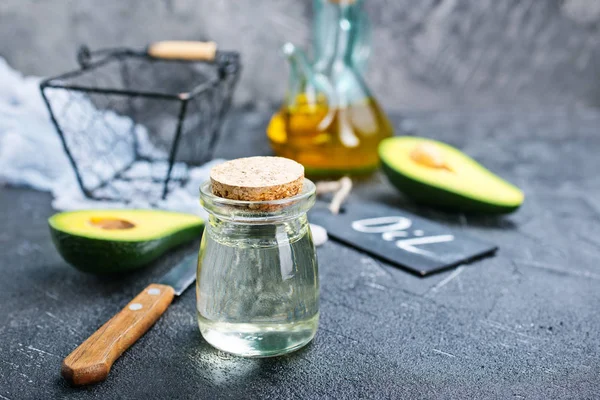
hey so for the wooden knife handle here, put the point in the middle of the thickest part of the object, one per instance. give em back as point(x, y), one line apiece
point(91, 361)
point(183, 50)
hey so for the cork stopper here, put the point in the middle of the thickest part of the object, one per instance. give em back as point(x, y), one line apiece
point(257, 179)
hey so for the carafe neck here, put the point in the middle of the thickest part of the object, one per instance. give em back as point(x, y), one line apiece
point(337, 20)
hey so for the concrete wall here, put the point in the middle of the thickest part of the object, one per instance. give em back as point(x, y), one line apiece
point(427, 53)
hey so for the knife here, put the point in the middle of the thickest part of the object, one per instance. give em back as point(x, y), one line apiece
point(91, 361)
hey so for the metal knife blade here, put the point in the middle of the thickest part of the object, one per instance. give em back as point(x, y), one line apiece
point(182, 275)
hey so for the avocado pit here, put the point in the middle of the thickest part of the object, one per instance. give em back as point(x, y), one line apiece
point(429, 155)
point(111, 223)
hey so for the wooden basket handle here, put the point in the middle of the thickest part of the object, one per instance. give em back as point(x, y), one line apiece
point(183, 50)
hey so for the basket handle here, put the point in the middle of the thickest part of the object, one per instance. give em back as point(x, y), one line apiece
point(183, 50)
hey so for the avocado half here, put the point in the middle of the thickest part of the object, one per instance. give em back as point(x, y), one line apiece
point(108, 241)
point(437, 174)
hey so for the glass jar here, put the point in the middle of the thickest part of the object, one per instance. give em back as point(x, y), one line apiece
point(258, 285)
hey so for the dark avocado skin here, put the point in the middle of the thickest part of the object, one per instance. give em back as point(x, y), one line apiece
point(441, 198)
point(101, 256)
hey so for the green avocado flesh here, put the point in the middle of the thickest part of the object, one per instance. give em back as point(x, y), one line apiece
point(108, 241)
point(461, 184)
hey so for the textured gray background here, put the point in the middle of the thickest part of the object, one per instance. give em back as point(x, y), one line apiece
point(523, 324)
point(520, 325)
point(427, 54)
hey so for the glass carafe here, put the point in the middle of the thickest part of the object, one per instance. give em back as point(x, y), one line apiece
point(329, 121)
point(257, 286)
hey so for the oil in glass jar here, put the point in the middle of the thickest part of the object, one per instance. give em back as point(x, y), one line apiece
point(257, 286)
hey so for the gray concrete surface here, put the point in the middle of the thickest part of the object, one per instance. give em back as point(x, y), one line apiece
point(523, 324)
point(427, 54)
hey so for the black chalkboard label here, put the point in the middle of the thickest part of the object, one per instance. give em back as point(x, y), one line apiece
point(401, 238)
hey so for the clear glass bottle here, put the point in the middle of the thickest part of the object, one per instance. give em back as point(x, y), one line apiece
point(258, 286)
point(330, 122)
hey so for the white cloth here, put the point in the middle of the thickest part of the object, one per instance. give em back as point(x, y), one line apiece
point(31, 153)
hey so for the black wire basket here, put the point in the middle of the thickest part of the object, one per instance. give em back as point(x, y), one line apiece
point(132, 123)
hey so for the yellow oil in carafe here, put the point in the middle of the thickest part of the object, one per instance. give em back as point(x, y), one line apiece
point(330, 142)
